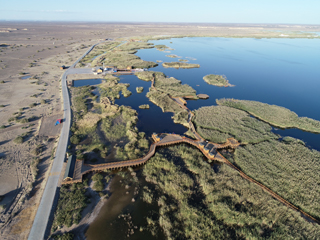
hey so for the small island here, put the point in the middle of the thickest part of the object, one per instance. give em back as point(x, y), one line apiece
point(144, 106)
point(173, 56)
point(139, 89)
point(180, 65)
point(217, 80)
point(163, 48)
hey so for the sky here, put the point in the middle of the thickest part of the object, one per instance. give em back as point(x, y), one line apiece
point(200, 11)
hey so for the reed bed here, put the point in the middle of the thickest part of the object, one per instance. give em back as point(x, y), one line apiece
point(288, 168)
point(216, 123)
point(180, 65)
point(173, 87)
point(275, 115)
point(216, 80)
point(202, 204)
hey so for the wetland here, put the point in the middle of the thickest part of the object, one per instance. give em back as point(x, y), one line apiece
point(209, 200)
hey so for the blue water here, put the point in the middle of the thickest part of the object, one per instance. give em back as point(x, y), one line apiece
point(85, 82)
point(283, 72)
point(25, 77)
point(152, 119)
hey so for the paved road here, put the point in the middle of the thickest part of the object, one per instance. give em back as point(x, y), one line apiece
point(41, 219)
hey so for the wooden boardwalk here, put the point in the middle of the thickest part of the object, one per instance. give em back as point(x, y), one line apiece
point(199, 142)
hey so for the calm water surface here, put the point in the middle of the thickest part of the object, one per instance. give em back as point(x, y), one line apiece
point(283, 72)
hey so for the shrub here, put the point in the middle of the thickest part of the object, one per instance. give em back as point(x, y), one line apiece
point(32, 105)
point(18, 140)
point(75, 139)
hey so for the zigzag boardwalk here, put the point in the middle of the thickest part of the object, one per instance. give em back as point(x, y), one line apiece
point(212, 154)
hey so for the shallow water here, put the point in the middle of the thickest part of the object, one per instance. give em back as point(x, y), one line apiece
point(25, 77)
point(85, 82)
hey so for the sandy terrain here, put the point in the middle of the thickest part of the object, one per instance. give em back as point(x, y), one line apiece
point(37, 50)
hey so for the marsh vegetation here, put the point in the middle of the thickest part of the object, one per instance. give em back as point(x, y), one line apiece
point(180, 65)
point(172, 86)
point(274, 115)
point(71, 202)
point(217, 123)
point(124, 56)
point(164, 101)
point(103, 130)
point(204, 204)
point(216, 80)
point(287, 167)
point(163, 48)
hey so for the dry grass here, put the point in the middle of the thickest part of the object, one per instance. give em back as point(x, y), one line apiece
point(216, 80)
point(172, 86)
point(275, 115)
point(215, 123)
point(288, 168)
point(180, 65)
point(202, 204)
point(89, 120)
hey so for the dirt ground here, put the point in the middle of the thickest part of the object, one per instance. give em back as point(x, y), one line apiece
point(48, 127)
point(30, 57)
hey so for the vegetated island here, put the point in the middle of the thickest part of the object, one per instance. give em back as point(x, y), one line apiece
point(144, 106)
point(275, 115)
point(173, 56)
point(139, 89)
point(180, 65)
point(217, 80)
point(163, 48)
point(183, 60)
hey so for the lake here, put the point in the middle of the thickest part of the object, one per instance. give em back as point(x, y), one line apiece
point(283, 72)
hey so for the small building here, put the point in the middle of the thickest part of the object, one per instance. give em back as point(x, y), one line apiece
point(70, 83)
point(155, 137)
point(208, 147)
point(202, 144)
point(68, 174)
point(63, 67)
point(212, 153)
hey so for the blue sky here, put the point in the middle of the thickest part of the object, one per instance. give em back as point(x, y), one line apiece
point(201, 11)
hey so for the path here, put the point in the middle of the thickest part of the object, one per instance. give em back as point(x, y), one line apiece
point(46, 206)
